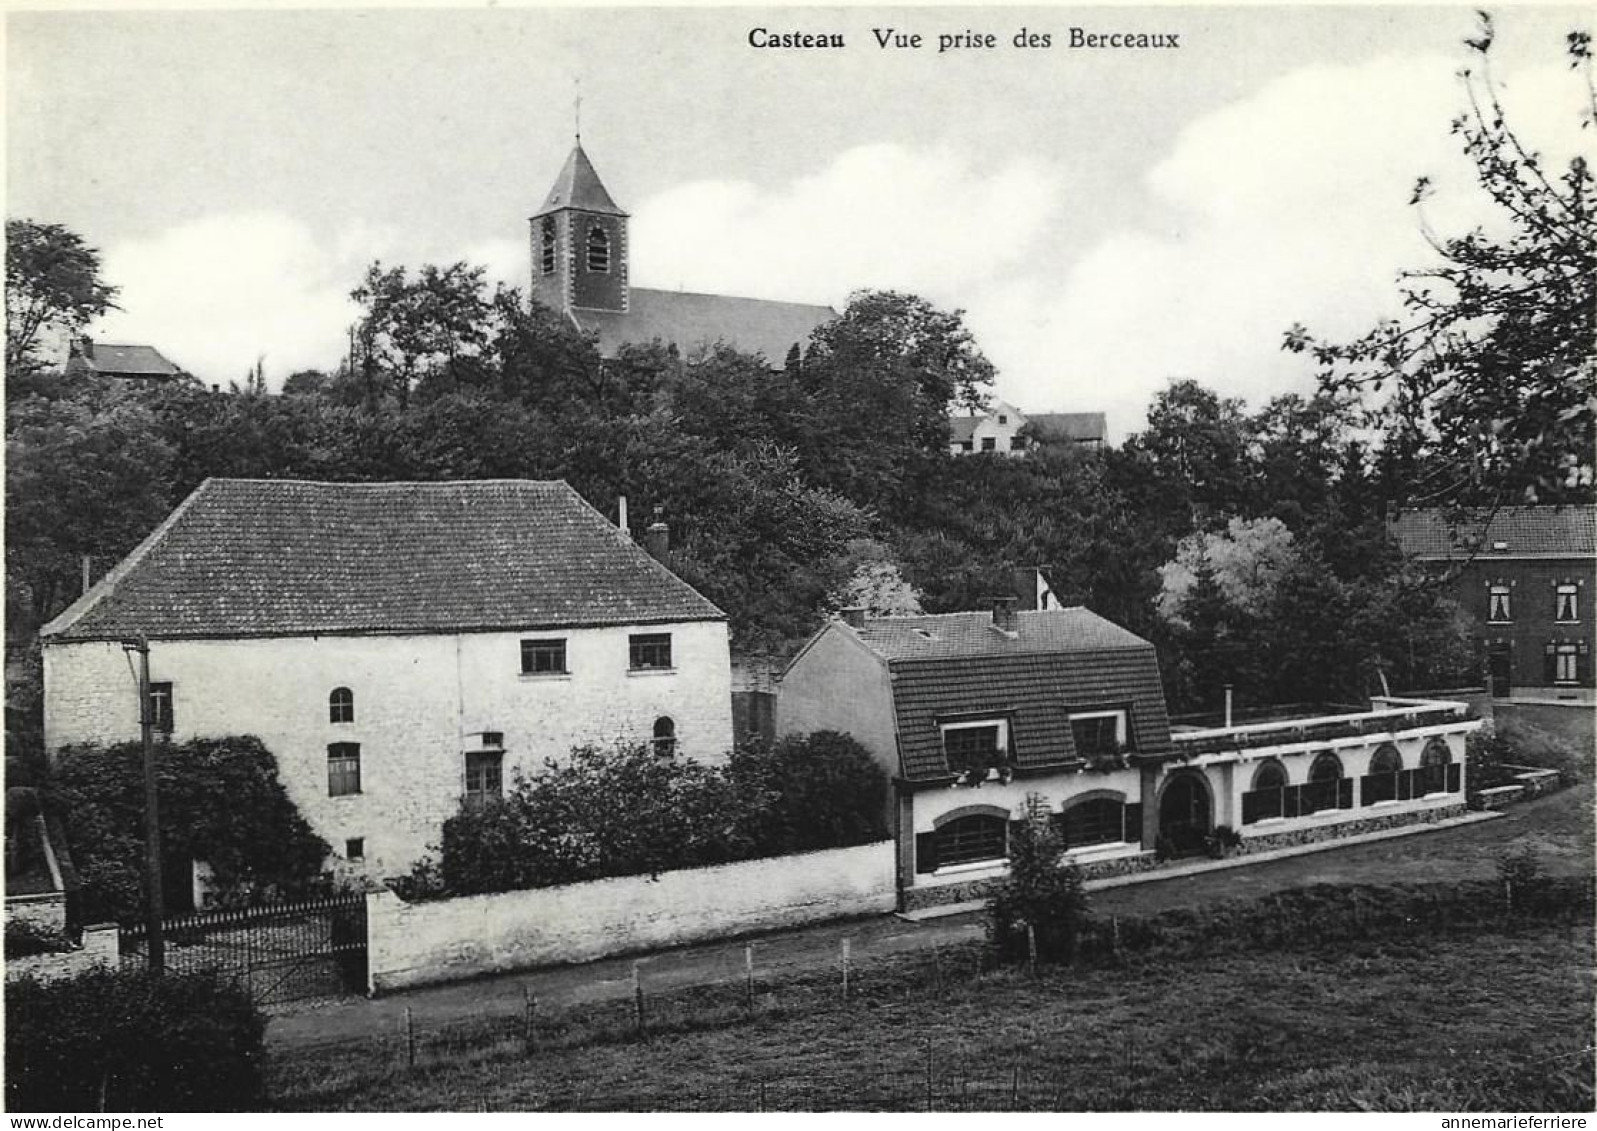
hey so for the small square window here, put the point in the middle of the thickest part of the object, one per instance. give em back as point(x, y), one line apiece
point(650, 650)
point(989, 443)
point(355, 848)
point(343, 769)
point(543, 657)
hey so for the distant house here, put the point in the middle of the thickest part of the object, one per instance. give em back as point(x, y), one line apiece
point(999, 430)
point(971, 712)
point(581, 267)
point(131, 362)
point(400, 647)
point(1527, 576)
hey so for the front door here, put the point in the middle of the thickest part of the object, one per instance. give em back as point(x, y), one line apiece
point(1184, 815)
point(1500, 668)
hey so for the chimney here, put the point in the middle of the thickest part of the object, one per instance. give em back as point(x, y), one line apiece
point(621, 514)
point(657, 539)
point(1004, 618)
point(854, 617)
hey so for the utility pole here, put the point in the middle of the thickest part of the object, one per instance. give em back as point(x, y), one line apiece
point(152, 824)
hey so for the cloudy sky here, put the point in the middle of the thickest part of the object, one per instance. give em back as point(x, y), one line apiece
point(1109, 219)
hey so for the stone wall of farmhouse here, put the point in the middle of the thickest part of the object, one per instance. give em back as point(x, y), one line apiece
point(420, 702)
point(415, 944)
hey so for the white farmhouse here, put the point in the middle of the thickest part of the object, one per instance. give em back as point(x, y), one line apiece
point(400, 647)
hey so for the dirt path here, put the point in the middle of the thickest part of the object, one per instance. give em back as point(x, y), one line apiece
point(1560, 826)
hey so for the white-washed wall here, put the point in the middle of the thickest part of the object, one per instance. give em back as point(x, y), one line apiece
point(414, 944)
point(419, 702)
point(101, 947)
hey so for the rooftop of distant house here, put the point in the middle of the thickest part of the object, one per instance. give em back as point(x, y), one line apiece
point(248, 557)
point(120, 360)
point(1506, 532)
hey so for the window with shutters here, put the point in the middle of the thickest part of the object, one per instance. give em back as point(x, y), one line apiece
point(598, 249)
point(546, 251)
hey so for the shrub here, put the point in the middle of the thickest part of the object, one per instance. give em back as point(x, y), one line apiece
point(825, 791)
point(1039, 895)
point(221, 802)
point(24, 938)
point(1506, 742)
point(128, 1041)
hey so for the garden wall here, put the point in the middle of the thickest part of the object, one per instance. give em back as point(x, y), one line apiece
point(416, 944)
point(101, 947)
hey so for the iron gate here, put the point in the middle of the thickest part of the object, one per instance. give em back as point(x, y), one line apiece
point(280, 952)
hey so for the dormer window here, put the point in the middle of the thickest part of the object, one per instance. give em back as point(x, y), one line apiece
point(1098, 733)
point(598, 249)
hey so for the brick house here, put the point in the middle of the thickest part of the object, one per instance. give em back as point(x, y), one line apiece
point(969, 713)
point(400, 647)
point(581, 267)
point(1527, 577)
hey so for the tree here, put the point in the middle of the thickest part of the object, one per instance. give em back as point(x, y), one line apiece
point(52, 283)
point(1245, 564)
point(1490, 374)
point(419, 328)
point(874, 582)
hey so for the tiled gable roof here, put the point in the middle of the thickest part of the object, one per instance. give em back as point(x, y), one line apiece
point(578, 186)
point(123, 361)
point(244, 557)
point(1059, 661)
point(752, 325)
point(1569, 531)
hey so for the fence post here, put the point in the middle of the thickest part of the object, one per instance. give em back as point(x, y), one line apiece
point(1031, 948)
point(762, 1095)
point(845, 968)
point(748, 977)
point(529, 1037)
point(637, 996)
point(937, 967)
point(1114, 927)
point(410, 1038)
point(1014, 1089)
point(928, 1074)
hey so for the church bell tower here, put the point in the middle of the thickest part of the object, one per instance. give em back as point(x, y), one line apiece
point(579, 242)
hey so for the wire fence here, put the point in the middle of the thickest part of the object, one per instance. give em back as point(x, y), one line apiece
point(518, 1026)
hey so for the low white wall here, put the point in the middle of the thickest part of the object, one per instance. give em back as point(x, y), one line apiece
point(101, 947)
point(414, 944)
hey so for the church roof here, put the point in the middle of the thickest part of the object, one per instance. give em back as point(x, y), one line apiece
point(753, 325)
point(257, 558)
point(578, 186)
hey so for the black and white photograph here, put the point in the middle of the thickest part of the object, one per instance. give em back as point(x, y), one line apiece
point(870, 559)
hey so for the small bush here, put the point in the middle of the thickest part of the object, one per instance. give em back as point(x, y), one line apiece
point(1040, 898)
point(825, 791)
point(128, 1041)
point(24, 939)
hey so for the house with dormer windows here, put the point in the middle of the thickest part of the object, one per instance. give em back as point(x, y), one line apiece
point(402, 648)
point(971, 713)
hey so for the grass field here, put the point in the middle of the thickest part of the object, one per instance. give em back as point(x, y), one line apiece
point(1497, 1020)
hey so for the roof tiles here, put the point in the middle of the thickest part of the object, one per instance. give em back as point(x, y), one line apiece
point(286, 558)
point(1569, 531)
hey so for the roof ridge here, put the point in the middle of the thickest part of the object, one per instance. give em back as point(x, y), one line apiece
point(735, 298)
point(378, 483)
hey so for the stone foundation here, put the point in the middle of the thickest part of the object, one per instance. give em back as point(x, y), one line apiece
point(1289, 838)
point(918, 899)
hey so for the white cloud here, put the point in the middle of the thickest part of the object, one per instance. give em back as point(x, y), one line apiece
point(215, 293)
point(881, 216)
point(1289, 206)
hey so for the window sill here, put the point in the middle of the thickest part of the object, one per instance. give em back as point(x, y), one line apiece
point(1109, 850)
point(973, 866)
point(544, 677)
point(651, 671)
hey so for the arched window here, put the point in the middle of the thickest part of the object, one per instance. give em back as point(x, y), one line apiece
point(1325, 789)
point(598, 249)
point(1267, 798)
point(972, 839)
point(546, 251)
point(665, 736)
point(1097, 820)
point(1383, 780)
point(1269, 775)
point(341, 706)
point(1434, 760)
